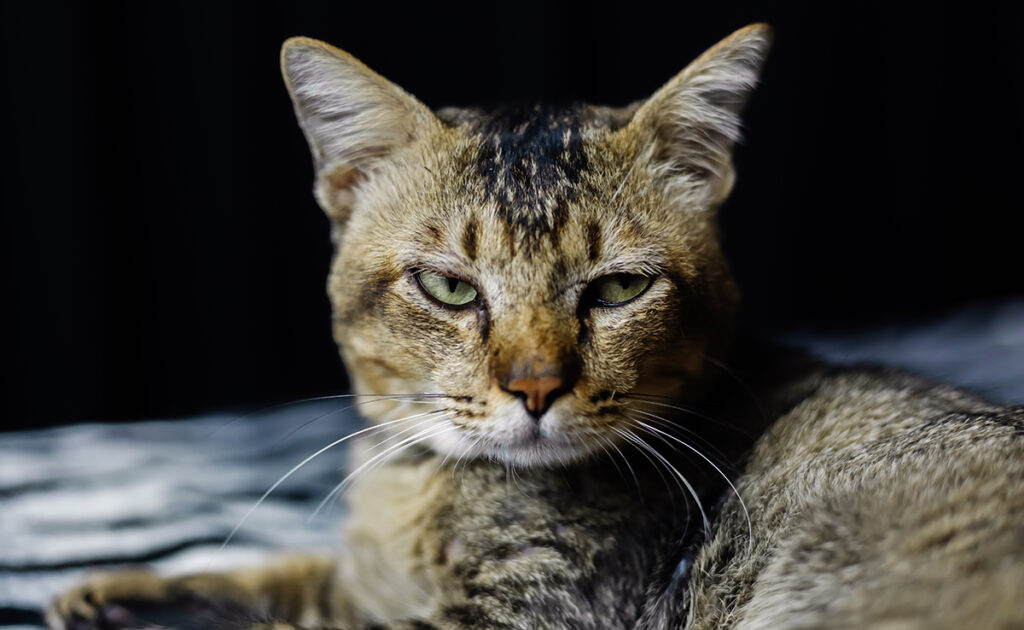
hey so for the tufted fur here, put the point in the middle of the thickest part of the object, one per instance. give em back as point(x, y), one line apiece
point(878, 501)
point(870, 493)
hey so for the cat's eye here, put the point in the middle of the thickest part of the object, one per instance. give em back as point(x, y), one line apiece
point(617, 289)
point(447, 290)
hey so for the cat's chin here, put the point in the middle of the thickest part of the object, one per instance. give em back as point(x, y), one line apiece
point(528, 451)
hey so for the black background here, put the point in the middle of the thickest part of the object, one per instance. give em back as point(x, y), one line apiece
point(163, 255)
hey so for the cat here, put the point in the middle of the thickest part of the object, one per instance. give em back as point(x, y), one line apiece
point(536, 305)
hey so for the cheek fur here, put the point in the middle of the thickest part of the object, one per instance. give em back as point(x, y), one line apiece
point(448, 346)
point(620, 340)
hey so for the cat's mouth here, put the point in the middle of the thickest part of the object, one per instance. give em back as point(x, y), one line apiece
point(517, 439)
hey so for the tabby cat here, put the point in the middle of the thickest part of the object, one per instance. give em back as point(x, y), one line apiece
point(537, 298)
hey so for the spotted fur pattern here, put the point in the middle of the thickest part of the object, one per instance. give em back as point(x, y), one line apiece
point(477, 512)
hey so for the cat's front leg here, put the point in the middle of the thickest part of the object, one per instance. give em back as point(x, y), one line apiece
point(294, 590)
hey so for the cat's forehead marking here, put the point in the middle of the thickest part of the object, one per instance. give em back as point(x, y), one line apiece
point(531, 161)
point(470, 237)
point(594, 243)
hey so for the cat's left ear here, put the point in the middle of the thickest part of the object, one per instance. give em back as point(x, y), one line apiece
point(693, 121)
point(353, 118)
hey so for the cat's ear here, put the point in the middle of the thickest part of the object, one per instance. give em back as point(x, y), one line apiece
point(693, 121)
point(352, 117)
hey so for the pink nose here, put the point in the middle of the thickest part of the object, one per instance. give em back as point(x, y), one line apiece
point(538, 393)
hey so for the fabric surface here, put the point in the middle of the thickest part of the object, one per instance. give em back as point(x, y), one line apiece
point(168, 493)
point(162, 493)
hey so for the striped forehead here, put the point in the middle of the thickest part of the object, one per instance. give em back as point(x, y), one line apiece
point(530, 163)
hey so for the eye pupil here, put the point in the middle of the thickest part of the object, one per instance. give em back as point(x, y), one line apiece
point(618, 289)
point(446, 289)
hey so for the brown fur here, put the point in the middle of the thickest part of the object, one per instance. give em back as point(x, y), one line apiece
point(484, 510)
point(878, 501)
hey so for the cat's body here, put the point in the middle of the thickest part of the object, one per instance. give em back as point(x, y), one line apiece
point(877, 501)
point(541, 294)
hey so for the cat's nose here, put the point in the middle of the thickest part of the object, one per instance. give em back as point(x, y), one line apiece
point(538, 393)
point(539, 376)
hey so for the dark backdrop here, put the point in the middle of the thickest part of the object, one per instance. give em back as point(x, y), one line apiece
point(163, 254)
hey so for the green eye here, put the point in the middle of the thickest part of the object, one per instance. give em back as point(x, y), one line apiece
point(451, 291)
point(619, 288)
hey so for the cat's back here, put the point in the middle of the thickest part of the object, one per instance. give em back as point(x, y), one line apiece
point(878, 500)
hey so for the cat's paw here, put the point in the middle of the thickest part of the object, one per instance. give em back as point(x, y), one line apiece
point(110, 601)
point(143, 600)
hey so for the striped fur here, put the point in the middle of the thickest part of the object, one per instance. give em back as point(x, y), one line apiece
point(492, 515)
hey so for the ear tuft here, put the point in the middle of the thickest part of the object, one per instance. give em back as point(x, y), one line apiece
point(351, 117)
point(694, 120)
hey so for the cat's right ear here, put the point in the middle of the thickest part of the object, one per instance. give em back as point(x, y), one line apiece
point(352, 117)
point(693, 121)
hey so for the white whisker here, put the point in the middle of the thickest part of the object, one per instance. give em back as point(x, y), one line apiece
point(654, 464)
point(409, 441)
point(638, 441)
point(464, 456)
point(394, 436)
point(642, 447)
point(603, 442)
point(347, 407)
point(624, 180)
point(625, 460)
point(743, 384)
point(686, 410)
point(315, 399)
point(283, 478)
point(746, 513)
point(696, 436)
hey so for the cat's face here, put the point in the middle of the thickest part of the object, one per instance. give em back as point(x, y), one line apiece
point(531, 266)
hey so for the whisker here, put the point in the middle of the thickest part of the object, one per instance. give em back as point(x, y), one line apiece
point(739, 381)
point(371, 465)
point(723, 460)
point(378, 445)
point(444, 461)
point(381, 458)
point(395, 436)
point(447, 456)
point(664, 480)
point(338, 489)
point(746, 513)
point(687, 410)
point(682, 490)
point(633, 439)
point(645, 153)
point(414, 427)
point(624, 179)
point(347, 407)
point(301, 401)
point(455, 466)
point(680, 476)
point(515, 476)
point(412, 402)
point(440, 466)
point(283, 478)
point(603, 442)
point(644, 395)
point(625, 460)
point(464, 457)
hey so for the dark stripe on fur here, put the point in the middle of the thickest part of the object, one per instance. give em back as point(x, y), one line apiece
point(531, 158)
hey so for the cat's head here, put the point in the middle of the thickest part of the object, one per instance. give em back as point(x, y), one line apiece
point(532, 265)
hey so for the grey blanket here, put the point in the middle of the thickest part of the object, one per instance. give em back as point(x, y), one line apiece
point(167, 493)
